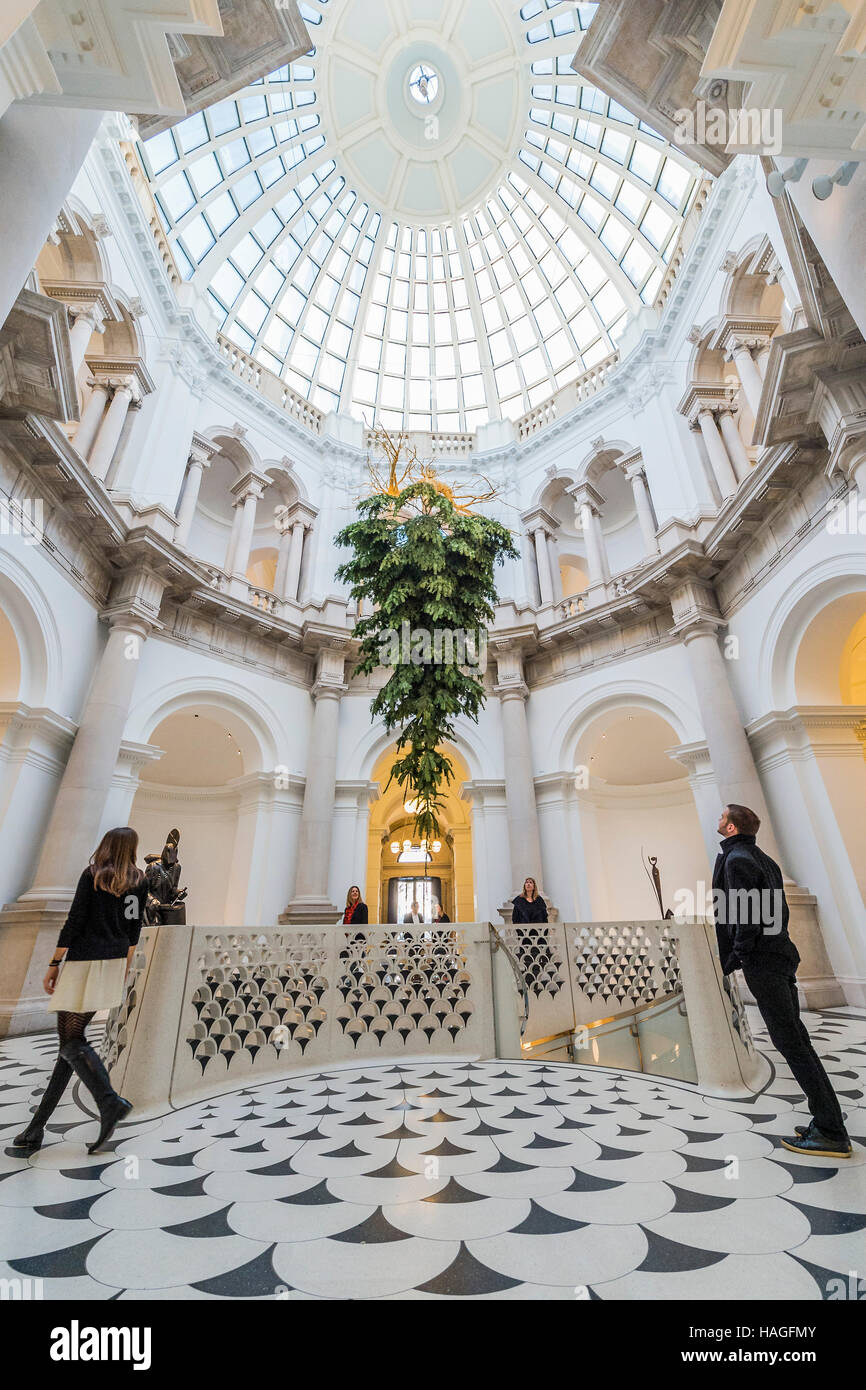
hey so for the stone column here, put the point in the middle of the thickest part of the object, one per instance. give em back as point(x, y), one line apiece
point(697, 620)
point(587, 519)
point(553, 566)
point(545, 585)
point(742, 464)
point(91, 420)
point(111, 428)
point(310, 903)
point(293, 523)
point(721, 464)
point(524, 840)
point(201, 453)
point(247, 492)
point(633, 468)
point(86, 321)
point(539, 525)
point(29, 927)
point(747, 370)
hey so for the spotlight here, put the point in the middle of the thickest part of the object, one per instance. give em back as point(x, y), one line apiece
point(777, 179)
point(395, 846)
point(822, 186)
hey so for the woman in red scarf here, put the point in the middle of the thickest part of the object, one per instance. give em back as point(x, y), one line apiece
point(356, 910)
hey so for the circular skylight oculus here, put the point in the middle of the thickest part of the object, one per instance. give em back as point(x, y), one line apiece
point(424, 84)
point(428, 274)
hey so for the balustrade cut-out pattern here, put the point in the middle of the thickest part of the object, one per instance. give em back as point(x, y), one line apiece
point(538, 958)
point(402, 982)
point(258, 992)
point(621, 964)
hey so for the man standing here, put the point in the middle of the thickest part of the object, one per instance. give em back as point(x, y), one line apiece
point(414, 915)
point(752, 931)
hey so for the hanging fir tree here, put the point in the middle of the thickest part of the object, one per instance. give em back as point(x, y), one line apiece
point(426, 565)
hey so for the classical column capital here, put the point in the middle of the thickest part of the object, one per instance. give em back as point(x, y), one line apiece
point(539, 519)
point(740, 334)
point(585, 494)
point(632, 465)
point(202, 451)
point(85, 297)
point(251, 484)
point(704, 398)
point(285, 516)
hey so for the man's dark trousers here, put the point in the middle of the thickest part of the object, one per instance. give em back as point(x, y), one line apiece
point(776, 997)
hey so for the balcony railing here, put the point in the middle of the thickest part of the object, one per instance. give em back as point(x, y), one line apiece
point(568, 398)
point(270, 385)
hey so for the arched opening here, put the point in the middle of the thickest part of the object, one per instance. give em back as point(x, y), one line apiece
point(207, 752)
point(399, 870)
point(573, 575)
point(830, 675)
point(10, 662)
point(635, 802)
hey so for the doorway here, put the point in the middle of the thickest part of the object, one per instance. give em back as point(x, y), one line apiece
point(402, 892)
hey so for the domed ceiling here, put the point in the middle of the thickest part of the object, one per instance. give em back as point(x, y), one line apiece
point(429, 221)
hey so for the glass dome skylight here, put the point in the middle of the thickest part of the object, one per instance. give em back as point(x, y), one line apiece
point(427, 264)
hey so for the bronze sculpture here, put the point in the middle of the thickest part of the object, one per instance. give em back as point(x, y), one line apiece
point(165, 901)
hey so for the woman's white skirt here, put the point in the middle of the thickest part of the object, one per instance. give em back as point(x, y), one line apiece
point(88, 986)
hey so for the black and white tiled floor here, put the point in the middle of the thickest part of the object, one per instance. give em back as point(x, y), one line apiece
point(486, 1180)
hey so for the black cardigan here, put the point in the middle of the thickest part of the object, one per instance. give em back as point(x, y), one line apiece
point(101, 926)
point(359, 917)
point(526, 911)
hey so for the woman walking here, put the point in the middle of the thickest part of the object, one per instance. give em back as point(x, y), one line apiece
point(95, 948)
point(356, 908)
point(528, 906)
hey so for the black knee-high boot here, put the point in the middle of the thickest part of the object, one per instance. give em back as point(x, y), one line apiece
point(31, 1138)
point(91, 1072)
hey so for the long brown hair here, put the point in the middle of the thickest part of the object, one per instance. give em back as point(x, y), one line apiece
point(349, 895)
point(534, 889)
point(113, 862)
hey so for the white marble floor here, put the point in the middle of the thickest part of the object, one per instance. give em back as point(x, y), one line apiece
point(450, 1179)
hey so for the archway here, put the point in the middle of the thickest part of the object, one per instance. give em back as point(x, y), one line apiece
point(399, 868)
point(830, 683)
point(634, 801)
point(209, 754)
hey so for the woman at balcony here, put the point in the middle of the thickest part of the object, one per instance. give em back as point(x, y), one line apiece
point(439, 914)
point(528, 906)
point(356, 909)
point(95, 948)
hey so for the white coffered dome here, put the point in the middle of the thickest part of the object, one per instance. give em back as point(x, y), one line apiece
point(429, 221)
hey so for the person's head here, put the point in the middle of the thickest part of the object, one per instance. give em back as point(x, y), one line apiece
point(530, 889)
point(113, 862)
point(353, 896)
point(738, 820)
point(437, 911)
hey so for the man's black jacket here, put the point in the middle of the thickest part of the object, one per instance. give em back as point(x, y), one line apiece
point(751, 908)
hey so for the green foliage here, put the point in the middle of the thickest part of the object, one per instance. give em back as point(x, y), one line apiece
point(419, 560)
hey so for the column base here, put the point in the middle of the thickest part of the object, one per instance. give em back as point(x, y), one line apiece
point(507, 909)
point(28, 935)
point(818, 986)
point(310, 911)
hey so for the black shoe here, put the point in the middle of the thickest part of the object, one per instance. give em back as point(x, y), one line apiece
point(804, 1129)
point(816, 1144)
point(113, 1112)
point(30, 1139)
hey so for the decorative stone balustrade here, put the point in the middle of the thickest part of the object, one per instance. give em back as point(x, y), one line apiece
point(565, 400)
point(269, 385)
point(210, 1009)
point(263, 599)
point(571, 607)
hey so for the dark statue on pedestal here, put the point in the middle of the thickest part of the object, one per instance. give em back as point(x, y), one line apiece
point(165, 901)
